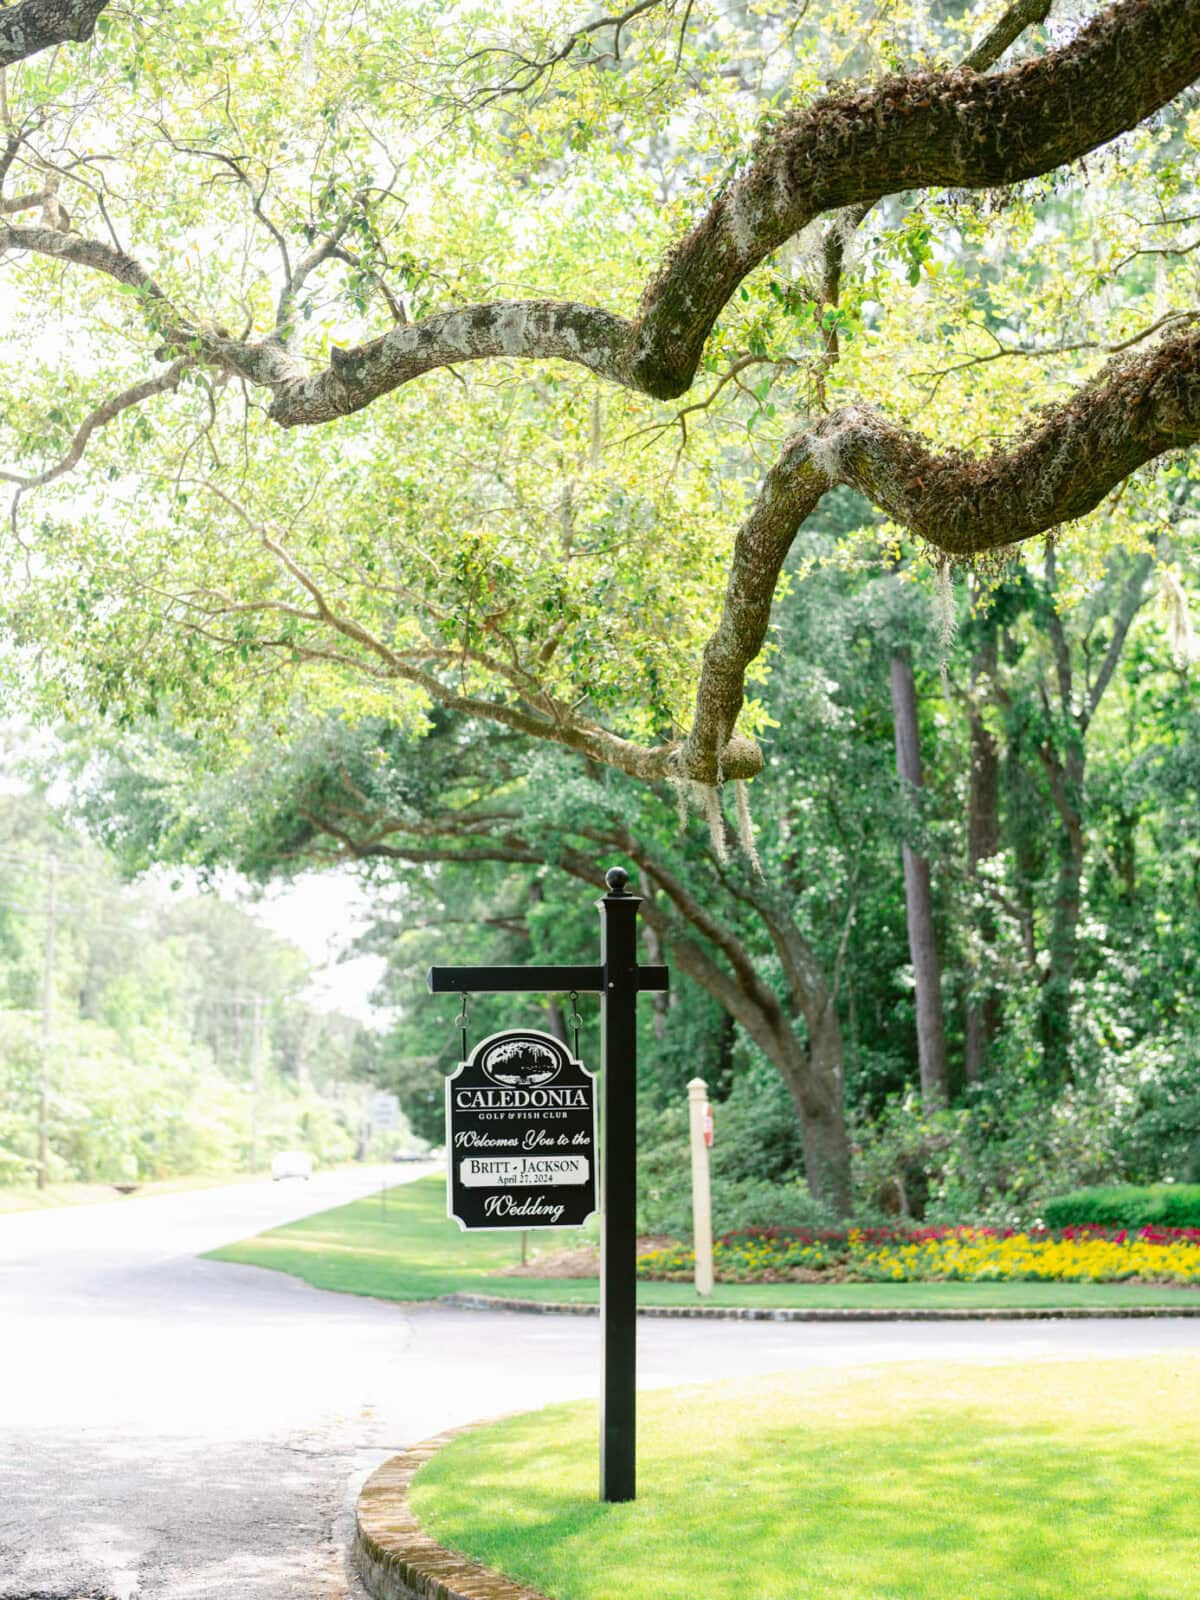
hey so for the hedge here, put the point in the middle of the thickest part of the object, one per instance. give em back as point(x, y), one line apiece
point(1167, 1205)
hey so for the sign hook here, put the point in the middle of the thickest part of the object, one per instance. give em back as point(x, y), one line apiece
point(575, 1020)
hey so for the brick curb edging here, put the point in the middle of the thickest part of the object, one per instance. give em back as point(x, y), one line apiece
point(486, 1302)
point(397, 1561)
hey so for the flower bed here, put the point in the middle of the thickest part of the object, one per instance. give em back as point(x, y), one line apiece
point(970, 1255)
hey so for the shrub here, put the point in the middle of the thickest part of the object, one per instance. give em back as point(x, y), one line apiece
point(749, 1202)
point(1157, 1134)
point(755, 1164)
point(993, 1159)
point(1172, 1205)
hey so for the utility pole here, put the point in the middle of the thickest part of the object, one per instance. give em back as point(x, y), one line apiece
point(255, 1079)
point(43, 1135)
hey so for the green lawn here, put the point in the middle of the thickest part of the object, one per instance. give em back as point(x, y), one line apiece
point(847, 1296)
point(410, 1252)
point(414, 1253)
point(1045, 1481)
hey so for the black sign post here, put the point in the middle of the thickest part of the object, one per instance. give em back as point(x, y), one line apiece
point(618, 980)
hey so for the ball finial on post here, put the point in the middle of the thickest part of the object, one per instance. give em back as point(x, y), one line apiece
point(617, 880)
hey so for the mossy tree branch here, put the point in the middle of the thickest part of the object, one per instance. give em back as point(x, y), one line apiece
point(961, 129)
point(31, 26)
point(1135, 409)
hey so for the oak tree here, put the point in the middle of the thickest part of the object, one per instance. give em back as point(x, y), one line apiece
point(390, 357)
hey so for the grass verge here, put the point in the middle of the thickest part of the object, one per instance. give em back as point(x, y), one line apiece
point(1035, 1482)
point(414, 1253)
point(402, 1249)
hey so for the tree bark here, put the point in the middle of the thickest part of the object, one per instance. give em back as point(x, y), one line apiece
point(983, 841)
point(814, 1080)
point(918, 894)
point(34, 25)
point(661, 1003)
point(1054, 1009)
point(812, 1069)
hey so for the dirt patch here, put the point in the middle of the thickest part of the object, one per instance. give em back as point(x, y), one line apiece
point(577, 1262)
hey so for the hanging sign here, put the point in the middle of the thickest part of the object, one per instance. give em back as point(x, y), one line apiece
point(521, 1135)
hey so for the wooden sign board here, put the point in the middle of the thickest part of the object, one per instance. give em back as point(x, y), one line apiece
point(521, 1135)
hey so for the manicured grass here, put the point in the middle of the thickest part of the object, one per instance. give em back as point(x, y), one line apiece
point(1044, 1481)
point(410, 1252)
point(415, 1253)
point(880, 1296)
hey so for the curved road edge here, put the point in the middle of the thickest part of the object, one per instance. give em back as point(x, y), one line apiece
point(568, 1308)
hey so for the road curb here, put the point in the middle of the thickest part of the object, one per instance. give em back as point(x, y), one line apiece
point(396, 1561)
point(487, 1302)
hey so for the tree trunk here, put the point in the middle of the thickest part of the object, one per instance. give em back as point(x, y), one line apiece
point(823, 1123)
point(812, 1072)
point(1024, 813)
point(983, 841)
point(1054, 1009)
point(918, 895)
point(814, 1080)
point(556, 1022)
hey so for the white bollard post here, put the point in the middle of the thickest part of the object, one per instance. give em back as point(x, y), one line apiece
point(701, 1198)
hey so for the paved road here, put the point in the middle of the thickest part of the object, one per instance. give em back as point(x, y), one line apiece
point(182, 1428)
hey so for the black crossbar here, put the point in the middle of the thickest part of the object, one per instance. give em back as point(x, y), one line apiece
point(516, 980)
point(536, 980)
point(653, 980)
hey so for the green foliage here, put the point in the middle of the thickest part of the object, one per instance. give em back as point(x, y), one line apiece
point(1124, 1206)
point(994, 1158)
point(756, 1163)
point(1158, 1133)
point(272, 615)
point(140, 1030)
